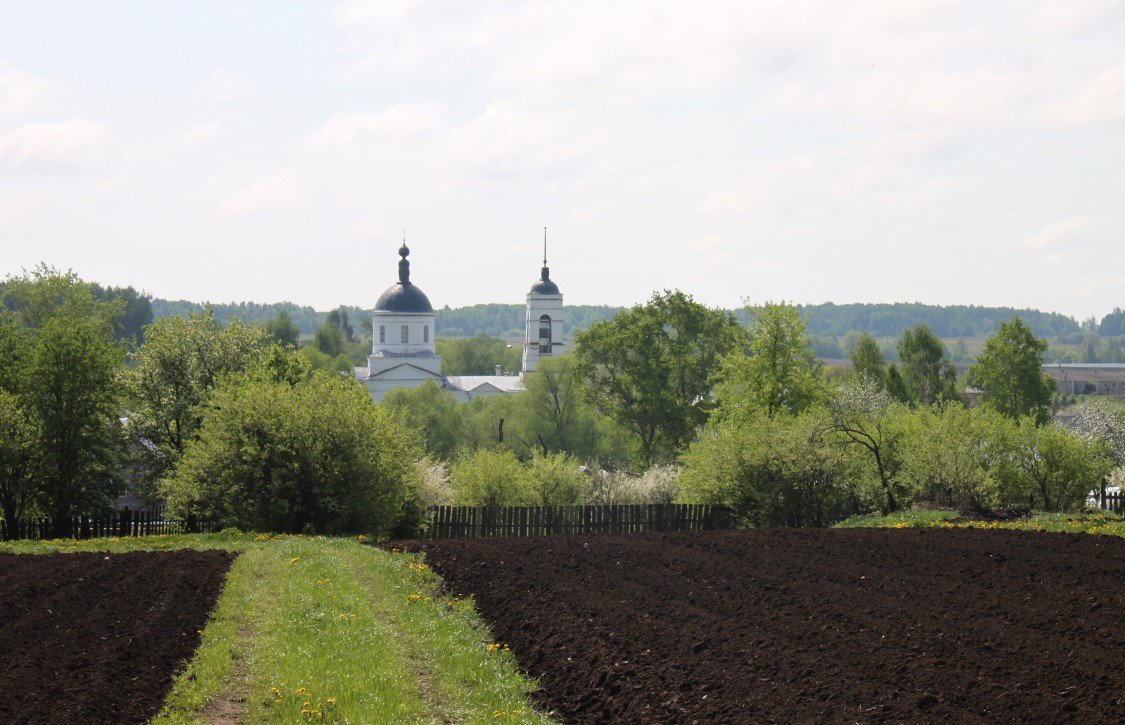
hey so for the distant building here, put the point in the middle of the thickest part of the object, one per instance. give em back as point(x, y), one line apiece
point(1088, 378)
point(544, 320)
point(403, 331)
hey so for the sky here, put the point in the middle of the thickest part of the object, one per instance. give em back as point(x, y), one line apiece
point(935, 151)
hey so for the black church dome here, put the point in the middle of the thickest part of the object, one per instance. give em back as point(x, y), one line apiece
point(404, 296)
point(544, 286)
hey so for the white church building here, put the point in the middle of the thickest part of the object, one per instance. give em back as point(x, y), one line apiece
point(403, 331)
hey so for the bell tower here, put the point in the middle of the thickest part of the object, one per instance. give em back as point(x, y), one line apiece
point(544, 322)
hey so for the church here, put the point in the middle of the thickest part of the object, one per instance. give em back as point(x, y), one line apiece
point(403, 331)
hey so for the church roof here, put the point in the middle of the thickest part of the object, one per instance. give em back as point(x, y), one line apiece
point(471, 383)
point(404, 296)
point(544, 286)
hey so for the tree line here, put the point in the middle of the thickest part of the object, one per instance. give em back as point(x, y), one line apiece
point(828, 320)
point(668, 401)
point(217, 420)
point(673, 401)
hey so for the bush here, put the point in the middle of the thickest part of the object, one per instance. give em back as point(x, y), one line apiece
point(659, 484)
point(312, 455)
point(491, 477)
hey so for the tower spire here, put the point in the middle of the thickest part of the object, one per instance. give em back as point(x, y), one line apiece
point(403, 265)
point(545, 273)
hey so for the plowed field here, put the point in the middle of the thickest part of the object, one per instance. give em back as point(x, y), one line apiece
point(96, 638)
point(862, 625)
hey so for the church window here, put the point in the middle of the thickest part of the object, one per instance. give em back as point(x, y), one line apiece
point(425, 333)
point(405, 334)
point(382, 333)
point(544, 335)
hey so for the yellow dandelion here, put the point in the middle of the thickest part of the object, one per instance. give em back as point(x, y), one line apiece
point(294, 560)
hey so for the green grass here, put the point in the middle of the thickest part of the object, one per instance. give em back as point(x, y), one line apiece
point(310, 629)
point(1101, 523)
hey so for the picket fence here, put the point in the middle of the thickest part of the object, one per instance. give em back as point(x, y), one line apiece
point(460, 522)
point(149, 521)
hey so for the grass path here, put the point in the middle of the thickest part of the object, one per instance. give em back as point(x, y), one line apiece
point(310, 629)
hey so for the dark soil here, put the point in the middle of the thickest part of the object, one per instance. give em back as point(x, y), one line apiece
point(96, 638)
point(861, 625)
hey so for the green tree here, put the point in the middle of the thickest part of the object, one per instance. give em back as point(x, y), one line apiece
point(432, 413)
point(171, 376)
point(951, 455)
point(283, 330)
point(1113, 323)
point(314, 456)
point(338, 318)
point(866, 419)
point(779, 374)
point(1052, 466)
point(781, 471)
point(867, 360)
point(476, 355)
point(1104, 422)
point(136, 312)
point(67, 391)
point(558, 419)
point(652, 368)
point(927, 376)
point(18, 459)
point(493, 421)
point(490, 477)
point(339, 365)
point(555, 480)
point(1010, 373)
point(329, 340)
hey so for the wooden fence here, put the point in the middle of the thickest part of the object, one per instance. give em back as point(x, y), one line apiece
point(1111, 501)
point(143, 522)
point(460, 522)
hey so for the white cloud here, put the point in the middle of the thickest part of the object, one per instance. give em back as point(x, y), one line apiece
point(504, 139)
point(18, 204)
point(20, 90)
point(702, 244)
point(1101, 100)
point(864, 178)
point(1065, 16)
point(1054, 232)
point(1083, 287)
point(53, 147)
point(768, 185)
point(274, 192)
point(344, 131)
point(224, 86)
point(718, 260)
point(197, 136)
point(939, 141)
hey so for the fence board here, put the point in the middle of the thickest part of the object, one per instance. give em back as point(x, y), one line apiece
point(143, 522)
point(459, 522)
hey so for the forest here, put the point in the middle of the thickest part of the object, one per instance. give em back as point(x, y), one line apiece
point(828, 319)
